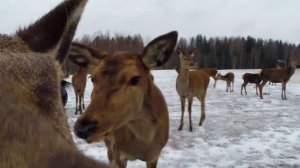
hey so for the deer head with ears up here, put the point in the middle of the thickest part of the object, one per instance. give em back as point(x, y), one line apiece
point(127, 109)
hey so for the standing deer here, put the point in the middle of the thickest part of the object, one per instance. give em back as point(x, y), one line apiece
point(276, 75)
point(34, 131)
point(229, 78)
point(190, 84)
point(250, 78)
point(212, 72)
point(79, 82)
point(127, 110)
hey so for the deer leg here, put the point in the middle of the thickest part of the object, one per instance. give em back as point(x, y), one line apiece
point(215, 82)
point(80, 103)
point(152, 164)
point(202, 118)
point(231, 86)
point(261, 87)
point(245, 88)
point(76, 97)
point(227, 86)
point(242, 88)
point(190, 102)
point(83, 107)
point(182, 101)
point(256, 86)
point(283, 91)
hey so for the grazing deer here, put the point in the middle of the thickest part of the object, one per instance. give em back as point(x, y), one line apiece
point(276, 75)
point(34, 131)
point(250, 78)
point(190, 84)
point(229, 78)
point(127, 110)
point(79, 82)
point(212, 72)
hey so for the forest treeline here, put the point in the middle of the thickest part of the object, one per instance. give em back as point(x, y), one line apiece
point(220, 53)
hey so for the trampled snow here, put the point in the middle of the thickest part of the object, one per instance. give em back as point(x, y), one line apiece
point(239, 131)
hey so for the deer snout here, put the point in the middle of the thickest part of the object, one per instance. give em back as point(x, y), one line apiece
point(85, 128)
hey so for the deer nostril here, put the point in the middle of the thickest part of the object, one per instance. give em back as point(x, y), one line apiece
point(85, 128)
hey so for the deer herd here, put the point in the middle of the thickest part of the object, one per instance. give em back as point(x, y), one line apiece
point(127, 110)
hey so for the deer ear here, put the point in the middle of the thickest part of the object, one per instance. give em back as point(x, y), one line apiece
point(83, 55)
point(179, 52)
point(55, 30)
point(159, 50)
point(193, 52)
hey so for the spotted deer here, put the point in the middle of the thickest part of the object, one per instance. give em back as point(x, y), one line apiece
point(127, 110)
point(34, 131)
point(276, 75)
point(229, 79)
point(190, 84)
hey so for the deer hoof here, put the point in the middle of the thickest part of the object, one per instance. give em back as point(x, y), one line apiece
point(180, 128)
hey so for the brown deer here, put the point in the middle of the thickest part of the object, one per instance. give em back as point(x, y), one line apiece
point(250, 78)
point(34, 131)
point(190, 84)
point(86, 64)
point(276, 75)
point(79, 82)
point(212, 72)
point(127, 110)
point(229, 78)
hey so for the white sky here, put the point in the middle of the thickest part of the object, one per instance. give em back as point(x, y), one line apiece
point(276, 19)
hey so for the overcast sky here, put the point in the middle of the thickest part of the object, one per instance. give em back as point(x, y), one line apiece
point(276, 19)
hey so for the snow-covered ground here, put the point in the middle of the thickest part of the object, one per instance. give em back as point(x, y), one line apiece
point(239, 131)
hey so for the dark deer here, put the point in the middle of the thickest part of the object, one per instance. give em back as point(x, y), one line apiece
point(127, 110)
point(34, 131)
point(229, 78)
point(276, 75)
point(190, 84)
point(250, 78)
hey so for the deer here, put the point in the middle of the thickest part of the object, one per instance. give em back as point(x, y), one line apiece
point(127, 110)
point(190, 84)
point(276, 75)
point(250, 78)
point(79, 83)
point(229, 78)
point(212, 72)
point(34, 130)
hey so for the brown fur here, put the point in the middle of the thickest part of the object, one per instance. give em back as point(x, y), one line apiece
point(79, 82)
point(34, 131)
point(276, 75)
point(127, 109)
point(229, 78)
point(190, 84)
point(212, 72)
point(250, 78)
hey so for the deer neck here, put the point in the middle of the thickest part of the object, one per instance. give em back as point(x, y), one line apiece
point(147, 120)
point(184, 74)
point(291, 69)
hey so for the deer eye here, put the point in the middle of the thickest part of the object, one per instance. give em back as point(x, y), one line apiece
point(135, 80)
point(92, 79)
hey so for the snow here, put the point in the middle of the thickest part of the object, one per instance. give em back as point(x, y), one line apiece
point(239, 131)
